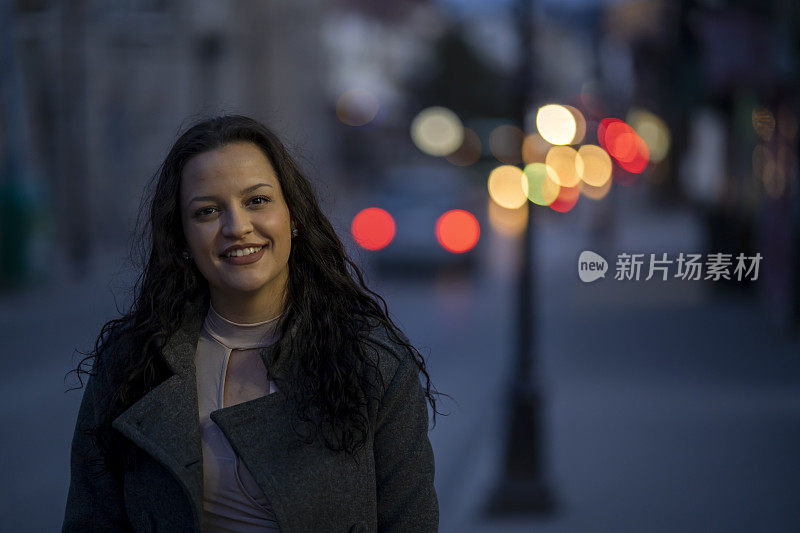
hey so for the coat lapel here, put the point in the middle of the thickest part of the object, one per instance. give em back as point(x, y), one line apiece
point(165, 422)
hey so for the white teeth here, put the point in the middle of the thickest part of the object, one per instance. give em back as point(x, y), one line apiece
point(244, 251)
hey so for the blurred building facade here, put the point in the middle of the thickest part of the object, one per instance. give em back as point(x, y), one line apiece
point(96, 93)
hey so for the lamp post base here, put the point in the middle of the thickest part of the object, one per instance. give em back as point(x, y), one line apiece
point(522, 487)
point(520, 497)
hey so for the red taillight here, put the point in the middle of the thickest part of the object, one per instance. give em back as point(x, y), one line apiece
point(457, 231)
point(373, 228)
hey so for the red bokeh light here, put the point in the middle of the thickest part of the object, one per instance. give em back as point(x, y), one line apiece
point(457, 231)
point(601, 131)
point(373, 228)
point(566, 199)
point(637, 162)
point(623, 144)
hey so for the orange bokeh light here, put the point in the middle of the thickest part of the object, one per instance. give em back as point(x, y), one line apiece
point(373, 228)
point(457, 231)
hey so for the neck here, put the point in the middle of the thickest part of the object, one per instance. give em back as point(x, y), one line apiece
point(246, 309)
point(240, 336)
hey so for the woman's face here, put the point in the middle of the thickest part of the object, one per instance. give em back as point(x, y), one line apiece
point(231, 197)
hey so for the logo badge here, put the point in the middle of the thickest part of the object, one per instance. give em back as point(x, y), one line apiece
point(591, 266)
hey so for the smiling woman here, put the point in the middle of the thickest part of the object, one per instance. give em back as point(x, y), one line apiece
point(255, 370)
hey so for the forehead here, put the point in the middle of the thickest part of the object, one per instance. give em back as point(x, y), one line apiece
point(232, 166)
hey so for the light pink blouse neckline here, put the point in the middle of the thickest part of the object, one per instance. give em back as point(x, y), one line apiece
point(237, 336)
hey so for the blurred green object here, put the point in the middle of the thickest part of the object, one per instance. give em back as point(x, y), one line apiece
point(15, 227)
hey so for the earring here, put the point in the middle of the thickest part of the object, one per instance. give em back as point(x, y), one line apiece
point(294, 232)
point(186, 255)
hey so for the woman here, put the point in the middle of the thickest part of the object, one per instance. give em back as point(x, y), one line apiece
point(256, 384)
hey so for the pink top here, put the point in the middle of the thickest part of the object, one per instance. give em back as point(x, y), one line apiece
point(230, 371)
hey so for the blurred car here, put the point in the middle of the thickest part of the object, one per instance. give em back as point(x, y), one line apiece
point(416, 196)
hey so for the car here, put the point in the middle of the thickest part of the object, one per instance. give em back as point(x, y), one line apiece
point(416, 196)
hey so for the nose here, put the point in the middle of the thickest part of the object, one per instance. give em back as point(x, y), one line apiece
point(236, 223)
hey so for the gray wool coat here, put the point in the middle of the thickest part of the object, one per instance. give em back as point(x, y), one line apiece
point(387, 486)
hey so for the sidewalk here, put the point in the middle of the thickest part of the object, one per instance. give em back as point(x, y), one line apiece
point(668, 408)
point(648, 434)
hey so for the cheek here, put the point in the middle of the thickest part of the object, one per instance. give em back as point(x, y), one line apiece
point(200, 239)
point(277, 226)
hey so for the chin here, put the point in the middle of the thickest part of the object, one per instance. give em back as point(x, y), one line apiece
point(246, 286)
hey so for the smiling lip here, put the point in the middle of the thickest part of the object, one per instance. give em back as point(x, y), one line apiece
point(245, 259)
point(230, 249)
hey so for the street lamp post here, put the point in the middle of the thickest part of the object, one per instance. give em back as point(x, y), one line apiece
point(523, 487)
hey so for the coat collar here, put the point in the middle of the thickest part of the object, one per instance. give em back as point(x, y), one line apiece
point(165, 421)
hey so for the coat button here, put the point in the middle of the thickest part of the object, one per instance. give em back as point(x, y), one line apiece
point(359, 527)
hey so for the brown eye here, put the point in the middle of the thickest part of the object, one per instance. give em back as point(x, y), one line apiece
point(264, 198)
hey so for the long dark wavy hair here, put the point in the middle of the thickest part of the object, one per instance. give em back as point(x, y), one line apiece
point(327, 301)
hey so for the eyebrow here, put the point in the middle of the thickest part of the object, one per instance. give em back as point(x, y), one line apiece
point(244, 191)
